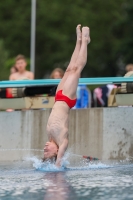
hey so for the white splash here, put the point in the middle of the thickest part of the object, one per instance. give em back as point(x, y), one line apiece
point(46, 166)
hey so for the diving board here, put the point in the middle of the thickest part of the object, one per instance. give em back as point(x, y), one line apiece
point(43, 82)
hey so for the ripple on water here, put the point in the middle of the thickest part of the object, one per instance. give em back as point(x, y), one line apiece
point(45, 181)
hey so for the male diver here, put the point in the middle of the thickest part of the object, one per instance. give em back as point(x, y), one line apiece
point(65, 99)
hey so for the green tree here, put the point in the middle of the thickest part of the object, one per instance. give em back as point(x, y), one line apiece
point(58, 38)
point(3, 57)
point(126, 47)
point(55, 32)
point(15, 26)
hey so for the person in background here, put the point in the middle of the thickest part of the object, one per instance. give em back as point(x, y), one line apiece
point(129, 68)
point(22, 73)
point(9, 90)
point(13, 70)
point(18, 72)
point(83, 97)
point(57, 73)
point(101, 95)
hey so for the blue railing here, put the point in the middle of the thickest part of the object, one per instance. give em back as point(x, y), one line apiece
point(87, 81)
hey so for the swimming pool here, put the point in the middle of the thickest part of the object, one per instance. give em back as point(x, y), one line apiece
point(20, 180)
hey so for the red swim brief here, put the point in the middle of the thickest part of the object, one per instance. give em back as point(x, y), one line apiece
point(61, 97)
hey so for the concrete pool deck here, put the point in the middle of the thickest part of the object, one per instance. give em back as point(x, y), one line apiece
point(105, 133)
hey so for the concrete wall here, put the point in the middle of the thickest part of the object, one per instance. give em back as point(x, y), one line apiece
point(117, 133)
point(106, 133)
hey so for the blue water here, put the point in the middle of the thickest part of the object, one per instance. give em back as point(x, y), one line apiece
point(90, 181)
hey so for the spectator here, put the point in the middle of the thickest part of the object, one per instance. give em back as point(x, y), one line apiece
point(13, 70)
point(18, 72)
point(83, 97)
point(22, 73)
point(57, 73)
point(129, 68)
point(101, 95)
point(9, 90)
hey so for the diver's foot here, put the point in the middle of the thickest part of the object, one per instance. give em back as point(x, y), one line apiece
point(79, 34)
point(86, 34)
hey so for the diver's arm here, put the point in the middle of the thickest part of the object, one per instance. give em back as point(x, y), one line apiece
point(61, 151)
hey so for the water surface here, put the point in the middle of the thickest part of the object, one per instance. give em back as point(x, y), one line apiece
point(21, 180)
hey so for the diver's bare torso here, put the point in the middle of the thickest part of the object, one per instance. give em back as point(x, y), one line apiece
point(57, 126)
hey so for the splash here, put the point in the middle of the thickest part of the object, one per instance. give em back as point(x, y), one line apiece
point(91, 166)
point(72, 162)
point(46, 166)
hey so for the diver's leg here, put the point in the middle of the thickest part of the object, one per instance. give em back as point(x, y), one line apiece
point(82, 57)
point(77, 48)
point(73, 58)
point(71, 83)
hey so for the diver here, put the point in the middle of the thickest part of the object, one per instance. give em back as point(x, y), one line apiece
point(65, 99)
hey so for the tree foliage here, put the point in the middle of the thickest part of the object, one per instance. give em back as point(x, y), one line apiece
point(3, 58)
point(110, 23)
point(126, 46)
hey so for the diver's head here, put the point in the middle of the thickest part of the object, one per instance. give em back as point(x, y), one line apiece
point(50, 151)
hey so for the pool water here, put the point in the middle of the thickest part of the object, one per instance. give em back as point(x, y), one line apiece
point(92, 181)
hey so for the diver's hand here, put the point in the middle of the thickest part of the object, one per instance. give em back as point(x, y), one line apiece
point(61, 151)
point(58, 164)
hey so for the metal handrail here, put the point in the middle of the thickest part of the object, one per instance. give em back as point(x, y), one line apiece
point(86, 81)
